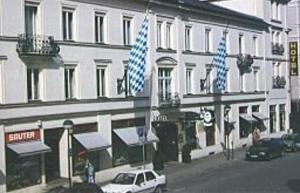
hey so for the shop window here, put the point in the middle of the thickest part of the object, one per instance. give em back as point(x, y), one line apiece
point(22, 172)
point(80, 155)
point(190, 133)
point(210, 135)
point(272, 118)
point(245, 127)
point(282, 117)
point(255, 108)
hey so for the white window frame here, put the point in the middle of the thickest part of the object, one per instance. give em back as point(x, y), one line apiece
point(69, 34)
point(127, 28)
point(34, 21)
point(242, 82)
point(226, 36)
point(241, 44)
point(100, 33)
point(189, 80)
point(227, 83)
point(255, 46)
point(169, 35)
point(209, 81)
point(35, 90)
point(101, 71)
point(256, 79)
point(159, 36)
point(71, 87)
point(207, 37)
point(166, 91)
point(188, 37)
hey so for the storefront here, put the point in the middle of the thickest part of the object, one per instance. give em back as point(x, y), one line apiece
point(24, 151)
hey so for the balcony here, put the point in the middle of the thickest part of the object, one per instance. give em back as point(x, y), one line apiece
point(279, 82)
point(39, 45)
point(168, 100)
point(277, 49)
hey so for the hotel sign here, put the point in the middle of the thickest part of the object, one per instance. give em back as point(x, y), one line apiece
point(293, 58)
point(17, 137)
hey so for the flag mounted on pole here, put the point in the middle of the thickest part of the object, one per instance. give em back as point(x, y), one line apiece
point(219, 63)
point(137, 60)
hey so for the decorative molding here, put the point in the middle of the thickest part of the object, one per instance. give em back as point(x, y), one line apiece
point(103, 61)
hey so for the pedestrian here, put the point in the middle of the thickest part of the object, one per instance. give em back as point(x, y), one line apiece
point(89, 172)
point(256, 135)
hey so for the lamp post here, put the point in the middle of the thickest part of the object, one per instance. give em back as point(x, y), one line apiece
point(68, 125)
point(227, 108)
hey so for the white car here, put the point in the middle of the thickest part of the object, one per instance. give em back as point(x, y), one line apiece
point(144, 181)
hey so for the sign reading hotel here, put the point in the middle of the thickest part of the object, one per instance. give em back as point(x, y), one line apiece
point(293, 58)
point(22, 136)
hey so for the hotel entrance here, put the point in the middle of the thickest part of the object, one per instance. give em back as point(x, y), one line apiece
point(167, 132)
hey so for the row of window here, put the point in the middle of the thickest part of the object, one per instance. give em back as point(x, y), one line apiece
point(164, 38)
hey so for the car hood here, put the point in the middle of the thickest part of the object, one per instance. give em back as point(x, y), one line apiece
point(116, 188)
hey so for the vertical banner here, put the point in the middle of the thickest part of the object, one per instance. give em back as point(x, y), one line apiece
point(293, 58)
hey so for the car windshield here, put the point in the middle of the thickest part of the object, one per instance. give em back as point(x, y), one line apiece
point(124, 178)
point(262, 143)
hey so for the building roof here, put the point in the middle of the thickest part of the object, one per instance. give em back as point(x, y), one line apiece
point(213, 10)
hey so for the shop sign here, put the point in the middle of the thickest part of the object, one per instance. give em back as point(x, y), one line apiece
point(293, 58)
point(22, 136)
point(160, 118)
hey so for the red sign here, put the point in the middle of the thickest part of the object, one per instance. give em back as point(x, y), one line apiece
point(22, 136)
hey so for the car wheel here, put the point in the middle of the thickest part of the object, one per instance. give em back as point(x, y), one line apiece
point(158, 190)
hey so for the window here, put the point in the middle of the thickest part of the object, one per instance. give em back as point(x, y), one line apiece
point(244, 125)
point(241, 44)
point(188, 76)
point(33, 84)
point(208, 80)
point(255, 108)
point(164, 83)
point(168, 34)
point(140, 179)
point(207, 40)
point(127, 83)
point(256, 80)
point(127, 30)
point(272, 118)
point(68, 24)
point(255, 50)
point(187, 37)
point(159, 34)
point(225, 35)
point(242, 82)
point(227, 82)
point(69, 82)
point(30, 20)
point(99, 28)
point(101, 81)
point(282, 117)
point(150, 176)
point(22, 172)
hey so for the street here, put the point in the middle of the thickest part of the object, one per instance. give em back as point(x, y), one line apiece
point(280, 175)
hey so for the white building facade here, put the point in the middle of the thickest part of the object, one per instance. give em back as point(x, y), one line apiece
point(67, 60)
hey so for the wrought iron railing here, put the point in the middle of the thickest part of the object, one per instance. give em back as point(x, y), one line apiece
point(29, 44)
point(244, 63)
point(167, 100)
point(277, 49)
point(279, 81)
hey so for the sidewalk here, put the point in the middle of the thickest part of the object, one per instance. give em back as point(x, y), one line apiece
point(176, 171)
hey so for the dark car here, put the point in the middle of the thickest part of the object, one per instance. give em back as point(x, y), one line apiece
point(265, 149)
point(291, 142)
point(84, 188)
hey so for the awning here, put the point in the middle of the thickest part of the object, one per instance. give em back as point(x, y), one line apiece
point(130, 137)
point(29, 148)
point(248, 118)
point(260, 116)
point(92, 141)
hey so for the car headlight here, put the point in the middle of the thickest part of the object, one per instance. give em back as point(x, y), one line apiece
point(262, 153)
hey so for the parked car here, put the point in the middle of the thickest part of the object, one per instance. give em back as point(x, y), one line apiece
point(136, 181)
point(290, 142)
point(84, 188)
point(265, 149)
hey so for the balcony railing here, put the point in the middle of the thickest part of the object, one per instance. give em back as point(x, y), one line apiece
point(169, 100)
point(279, 81)
point(277, 49)
point(29, 44)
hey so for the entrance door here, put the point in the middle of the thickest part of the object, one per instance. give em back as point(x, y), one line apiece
point(167, 133)
point(52, 138)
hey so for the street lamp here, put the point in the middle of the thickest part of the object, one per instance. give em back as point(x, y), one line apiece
point(227, 109)
point(68, 125)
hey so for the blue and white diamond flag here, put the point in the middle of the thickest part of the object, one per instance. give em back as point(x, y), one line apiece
point(219, 63)
point(137, 60)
